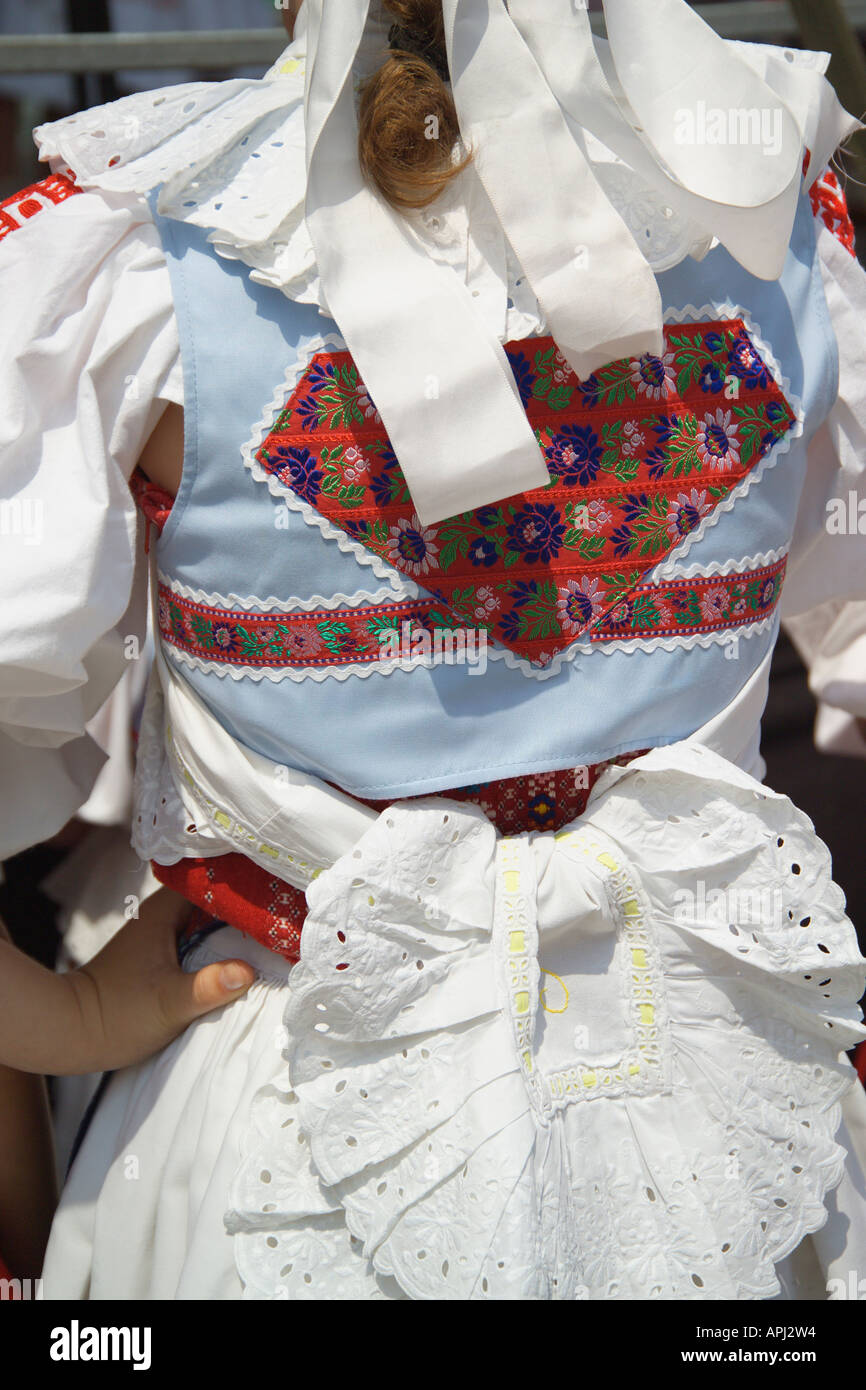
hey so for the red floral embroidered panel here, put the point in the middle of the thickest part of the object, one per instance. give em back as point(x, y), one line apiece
point(349, 636)
point(639, 454)
point(20, 207)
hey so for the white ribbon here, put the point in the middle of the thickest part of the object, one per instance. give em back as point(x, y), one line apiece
point(528, 81)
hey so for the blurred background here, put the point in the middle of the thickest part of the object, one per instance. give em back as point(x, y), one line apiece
point(58, 56)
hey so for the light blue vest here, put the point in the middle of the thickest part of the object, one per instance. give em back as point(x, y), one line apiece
point(431, 728)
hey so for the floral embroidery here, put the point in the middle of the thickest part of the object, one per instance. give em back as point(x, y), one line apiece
point(540, 609)
point(830, 204)
point(411, 546)
point(639, 455)
point(20, 207)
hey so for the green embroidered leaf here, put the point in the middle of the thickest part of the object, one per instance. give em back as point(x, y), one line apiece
point(645, 613)
point(251, 643)
point(560, 397)
point(627, 469)
point(619, 585)
point(592, 547)
point(203, 629)
point(332, 634)
point(350, 496)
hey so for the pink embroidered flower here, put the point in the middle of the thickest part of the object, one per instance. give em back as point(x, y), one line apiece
point(686, 513)
point(653, 376)
point(633, 439)
point(356, 465)
point(304, 642)
point(561, 369)
point(664, 611)
point(411, 546)
point(578, 603)
point(739, 608)
point(163, 613)
point(718, 446)
point(488, 602)
point(599, 515)
point(714, 604)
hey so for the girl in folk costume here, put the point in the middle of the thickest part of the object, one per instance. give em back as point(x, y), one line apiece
point(517, 370)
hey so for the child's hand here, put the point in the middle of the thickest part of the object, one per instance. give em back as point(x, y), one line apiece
point(133, 996)
point(127, 1003)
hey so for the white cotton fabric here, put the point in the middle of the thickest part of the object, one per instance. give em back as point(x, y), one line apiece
point(88, 357)
point(823, 606)
point(413, 1112)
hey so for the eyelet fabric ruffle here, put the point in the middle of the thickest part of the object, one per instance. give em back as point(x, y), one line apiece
point(604, 1064)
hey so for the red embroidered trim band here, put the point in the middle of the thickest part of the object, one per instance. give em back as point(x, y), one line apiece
point(338, 637)
point(20, 207)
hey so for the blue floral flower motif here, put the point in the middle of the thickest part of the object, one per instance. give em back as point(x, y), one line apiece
point(524, 591)
point(509, 627)
point(483, 552)
point(768, 442)
point(621, 615)
point(714, 342)
point(621, 539)
point(320, 375)
point(308, 413)
point(297, 469)
point(225, 638)
point(746, 364)
point(575, 455)
point(523, 375)
point(712, 379)
point(767, 593)
point(488, 516)
point(384, 487)
point(657, 461)
point(634, 504)
point(776, 412)
point(666, 426)
point(590, 390)
point(359, 530)
point(537, 532)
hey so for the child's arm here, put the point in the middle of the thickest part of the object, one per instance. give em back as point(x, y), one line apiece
point(125, 1004)
point(28, 1178)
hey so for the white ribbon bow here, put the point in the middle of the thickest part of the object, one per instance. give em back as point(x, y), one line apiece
point(528, 80)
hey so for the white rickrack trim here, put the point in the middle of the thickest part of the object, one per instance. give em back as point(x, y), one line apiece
point(271, 604)
point(725, 309)
point(362, 670)
point(311, 346)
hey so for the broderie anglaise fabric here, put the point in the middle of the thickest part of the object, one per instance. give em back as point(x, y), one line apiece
point(571, 1067)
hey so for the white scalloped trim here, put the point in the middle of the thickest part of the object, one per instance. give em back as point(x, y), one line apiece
point(275, 605)
point(726, 309)
point(311, 346)
point(385, 668)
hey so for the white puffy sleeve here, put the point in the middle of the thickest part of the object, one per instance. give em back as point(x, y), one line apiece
point(824, 600)
point(89, 357)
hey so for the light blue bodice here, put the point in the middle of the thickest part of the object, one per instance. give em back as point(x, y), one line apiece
point(432, 728)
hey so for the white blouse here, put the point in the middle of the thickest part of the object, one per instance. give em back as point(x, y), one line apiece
point(89, 357)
